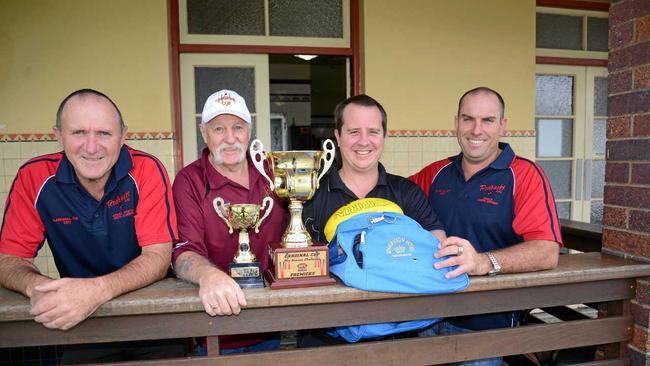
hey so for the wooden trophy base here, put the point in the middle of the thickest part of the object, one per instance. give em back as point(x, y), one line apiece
point(299, 267)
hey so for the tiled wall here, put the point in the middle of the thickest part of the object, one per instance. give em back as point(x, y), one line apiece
point(16, 150)
point(403, 155)
point(407, 155)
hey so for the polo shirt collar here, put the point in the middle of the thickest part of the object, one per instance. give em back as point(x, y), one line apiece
point(335, 181)
point(65, 172)
point(215, 180)
point(503, 161)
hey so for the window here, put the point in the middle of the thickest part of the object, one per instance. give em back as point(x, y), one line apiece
point(321, 23)
point(570, 121)
point(571, 33)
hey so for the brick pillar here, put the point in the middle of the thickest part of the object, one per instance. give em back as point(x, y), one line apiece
point(626, 221)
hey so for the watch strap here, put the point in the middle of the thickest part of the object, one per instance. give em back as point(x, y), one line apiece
point(496, 267)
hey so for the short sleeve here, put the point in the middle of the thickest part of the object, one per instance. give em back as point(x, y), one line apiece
point(155, 220)
point(535, 213)
point(191, 229)
point(22, 229)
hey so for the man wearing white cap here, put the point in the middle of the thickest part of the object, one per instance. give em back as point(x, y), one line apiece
point(205, 247)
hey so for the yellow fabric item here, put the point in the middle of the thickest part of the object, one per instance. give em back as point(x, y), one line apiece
point(358, 207)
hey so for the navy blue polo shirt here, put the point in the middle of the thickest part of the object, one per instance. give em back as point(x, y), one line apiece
point(333, 194)
point(507, 203)
point(88, 237)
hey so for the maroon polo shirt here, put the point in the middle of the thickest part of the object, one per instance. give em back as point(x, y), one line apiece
point(202, 231)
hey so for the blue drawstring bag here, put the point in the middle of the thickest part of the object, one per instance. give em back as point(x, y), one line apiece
point(388, 252)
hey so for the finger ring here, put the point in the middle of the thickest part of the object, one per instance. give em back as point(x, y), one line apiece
point(459, 249)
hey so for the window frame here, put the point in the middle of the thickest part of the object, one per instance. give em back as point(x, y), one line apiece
point(577, 54)
point(267, 39)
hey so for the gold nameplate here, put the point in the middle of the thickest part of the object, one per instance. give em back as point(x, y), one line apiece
point(299, 264)
point(251, 271)
point(299, 267)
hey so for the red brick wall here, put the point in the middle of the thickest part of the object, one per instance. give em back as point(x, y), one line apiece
point(626, 221)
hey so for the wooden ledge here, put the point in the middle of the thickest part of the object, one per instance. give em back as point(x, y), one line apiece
point(175, 296)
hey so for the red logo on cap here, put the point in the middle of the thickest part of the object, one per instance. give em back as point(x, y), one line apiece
point(226, 99)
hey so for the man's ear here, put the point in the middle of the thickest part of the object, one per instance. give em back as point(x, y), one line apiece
point(203, 133)
point(123, 139)
point(503, 125)
point(57, 134)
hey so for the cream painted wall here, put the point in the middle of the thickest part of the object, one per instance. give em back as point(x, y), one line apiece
point(420, 58)
point(49, 48)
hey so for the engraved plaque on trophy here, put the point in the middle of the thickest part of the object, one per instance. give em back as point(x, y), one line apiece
point(297, 261)
point(245, 268)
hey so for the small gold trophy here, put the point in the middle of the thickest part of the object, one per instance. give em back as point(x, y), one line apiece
point(245, 268)
point(296, 260)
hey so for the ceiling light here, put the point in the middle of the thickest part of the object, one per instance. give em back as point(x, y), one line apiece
point(306, 57)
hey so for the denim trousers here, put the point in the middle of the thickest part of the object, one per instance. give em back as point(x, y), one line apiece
point(445, 328)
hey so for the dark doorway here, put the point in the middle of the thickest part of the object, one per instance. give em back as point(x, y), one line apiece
point(303, 96)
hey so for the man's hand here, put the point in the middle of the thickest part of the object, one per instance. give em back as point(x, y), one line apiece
point(462, 254)
point(64, 303)
point(220, 294)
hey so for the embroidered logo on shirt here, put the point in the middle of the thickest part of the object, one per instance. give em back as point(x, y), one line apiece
point(492, 188)
point(488, 200)
point(67, 220)
point(122, 214)
point(124, 197)
point(442, 192)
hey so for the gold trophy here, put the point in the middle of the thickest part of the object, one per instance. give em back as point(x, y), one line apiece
point(245, 268)
point(296, 260)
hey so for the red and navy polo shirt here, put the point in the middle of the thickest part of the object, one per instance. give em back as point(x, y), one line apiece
point(88, 238)
point(508, 202)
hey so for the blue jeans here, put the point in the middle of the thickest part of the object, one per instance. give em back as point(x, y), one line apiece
point(268, 345)
point(445, 328)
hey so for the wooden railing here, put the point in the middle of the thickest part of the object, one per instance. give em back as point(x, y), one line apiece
point(172, 309)
point(581, 236)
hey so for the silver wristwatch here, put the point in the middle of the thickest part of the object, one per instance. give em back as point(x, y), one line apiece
point(496, 267)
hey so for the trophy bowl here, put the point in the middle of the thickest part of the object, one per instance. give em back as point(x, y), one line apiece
point(295, 178)
point(245, 269)
point(297, 260)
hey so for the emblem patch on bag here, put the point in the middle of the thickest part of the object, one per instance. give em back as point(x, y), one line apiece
point(400, 247)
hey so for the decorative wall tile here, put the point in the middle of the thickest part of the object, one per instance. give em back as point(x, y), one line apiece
point(451, 133)
point(11, 150)
point(403, 158)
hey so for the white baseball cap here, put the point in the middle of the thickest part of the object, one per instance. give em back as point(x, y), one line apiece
point(225, 102)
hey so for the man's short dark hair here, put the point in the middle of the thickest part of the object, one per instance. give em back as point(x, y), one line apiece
point(484, 90)
point(362, 100)
point(84, 93)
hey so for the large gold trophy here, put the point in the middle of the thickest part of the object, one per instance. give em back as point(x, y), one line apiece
point(296, 260)
point(245, 268)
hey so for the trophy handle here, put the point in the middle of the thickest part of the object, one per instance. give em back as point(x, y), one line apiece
point(328, 150)
point(258, 157)
point(267, 211)
point(219, 207)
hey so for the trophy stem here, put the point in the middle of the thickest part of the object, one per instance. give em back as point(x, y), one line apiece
point(244, 253)
point(296, 235)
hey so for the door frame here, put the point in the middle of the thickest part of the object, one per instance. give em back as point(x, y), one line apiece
point(260, 64)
